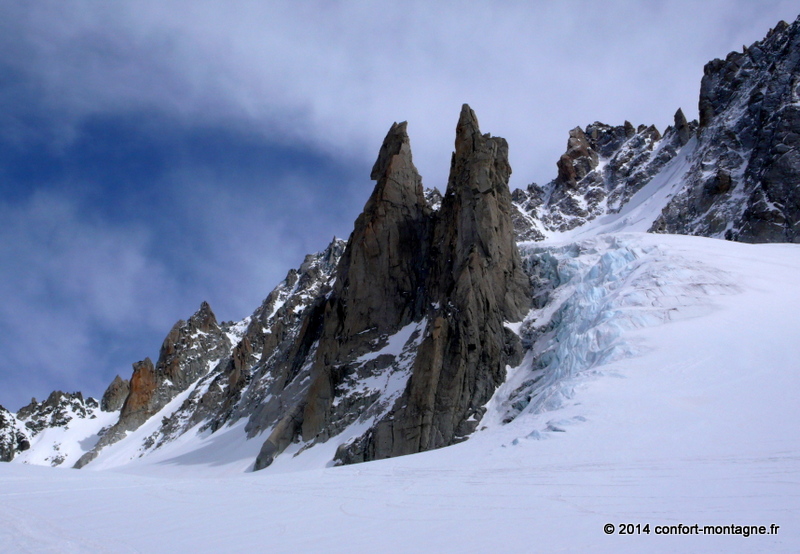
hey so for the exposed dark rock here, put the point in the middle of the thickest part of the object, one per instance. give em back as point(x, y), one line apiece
point(136, 408)
point(385, 242)
point(476, 284)
point(683, 130)
point(57, 411)
point(577, 161)
point(433, 198)
point(602, 169)
point(289, 427)
point(115, 395)
point(191, 349)
point(13, 439)
point(474, 225)
point(525, 204)
point(740, 177)
point(379, 278)
point(744, 180)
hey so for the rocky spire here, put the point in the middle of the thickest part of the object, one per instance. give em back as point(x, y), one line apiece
point(378, 287)
point(475, 224)
point(577, 161)
point(115, 395)
point(203, 319)
point(476, 284)
point(682, 128)
point(379, 276)
point(386, 243)
point(143, 385)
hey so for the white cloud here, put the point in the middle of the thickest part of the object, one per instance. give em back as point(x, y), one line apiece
point(66, 281)
point(240, 241)
point(336, 75)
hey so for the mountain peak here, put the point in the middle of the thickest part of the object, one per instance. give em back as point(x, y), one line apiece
point(395, 143)
point(682, 127)
point(466, 130)
point(467, 121)
point(204, 319)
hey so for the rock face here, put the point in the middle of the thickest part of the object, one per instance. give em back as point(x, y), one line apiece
point(380, 279)
point(388, 243)
point(13, 439)
point(475, 284)
point(115, 395)
point(744, 181)
point(603, 167)
point(136, 408)
point(190, 350)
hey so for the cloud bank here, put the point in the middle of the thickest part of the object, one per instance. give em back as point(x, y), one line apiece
point(335, 75)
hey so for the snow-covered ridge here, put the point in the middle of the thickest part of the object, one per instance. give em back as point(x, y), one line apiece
point(61, 428)
point(603, 168)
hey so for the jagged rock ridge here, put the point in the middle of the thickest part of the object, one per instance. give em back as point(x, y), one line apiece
point(744, 182)
point(603, 167)
point(742, 176)
point(25, 430)
point(190, 350)
point(115, 395)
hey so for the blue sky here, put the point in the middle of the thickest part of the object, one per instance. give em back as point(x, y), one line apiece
point(157, 154)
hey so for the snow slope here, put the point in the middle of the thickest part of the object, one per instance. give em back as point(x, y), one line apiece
point(675, 404)
point(644, 207)
point(63, 445)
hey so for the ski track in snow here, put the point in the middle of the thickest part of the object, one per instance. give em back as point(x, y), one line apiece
point(676, 404)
